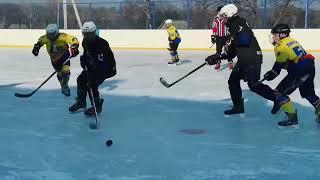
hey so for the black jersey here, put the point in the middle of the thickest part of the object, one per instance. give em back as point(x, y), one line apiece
point(244, 43)
point(101, 53)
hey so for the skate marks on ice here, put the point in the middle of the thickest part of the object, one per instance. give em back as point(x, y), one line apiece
point(185, 61)
point(24, 83)
point(155, 122)
point(230, 149)
point(9, 85)
point(193, 131)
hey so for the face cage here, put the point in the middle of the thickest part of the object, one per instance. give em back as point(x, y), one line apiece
point(274, 38)
point(223, 17)
point(52, 36)
point(88, 34)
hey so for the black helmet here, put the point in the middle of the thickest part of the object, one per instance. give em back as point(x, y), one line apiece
point(281, 28)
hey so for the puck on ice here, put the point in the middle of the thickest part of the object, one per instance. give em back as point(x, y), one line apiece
point(109, 143)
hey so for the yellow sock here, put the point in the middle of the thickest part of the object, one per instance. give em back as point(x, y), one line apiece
point(288, 107)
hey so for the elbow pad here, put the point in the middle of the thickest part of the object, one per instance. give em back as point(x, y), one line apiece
point(244, 39)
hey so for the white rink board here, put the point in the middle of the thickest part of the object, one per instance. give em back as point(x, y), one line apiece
point(154, 39)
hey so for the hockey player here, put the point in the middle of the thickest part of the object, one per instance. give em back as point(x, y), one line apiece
point(245, 46)
point(174, 40)
point(301, 72)
point(98, 63)
point(57, 45)
point(220, 37)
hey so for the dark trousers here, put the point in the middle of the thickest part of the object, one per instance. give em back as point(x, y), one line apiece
point(220, 43)
point(173, 46)
point(63, 73)
point(59, 64)
point(251, 75)
point(294, 80)
point(90, 80)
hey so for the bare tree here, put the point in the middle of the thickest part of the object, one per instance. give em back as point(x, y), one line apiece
point(282, 12)
point(202, 8)
point(248, 8)
point(134, 15)
point(314, 14)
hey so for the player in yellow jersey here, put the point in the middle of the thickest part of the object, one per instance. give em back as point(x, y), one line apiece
point(301, 72)
point(57, 45)
point(174, 40)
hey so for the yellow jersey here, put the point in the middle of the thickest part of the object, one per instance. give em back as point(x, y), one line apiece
point(288, 50)
point(173, 33)
point(56, 49)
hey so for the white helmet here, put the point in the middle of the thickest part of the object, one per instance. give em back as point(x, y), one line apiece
point(168, 22)
point(228, 11)
point(52, 31)
point(89, 27)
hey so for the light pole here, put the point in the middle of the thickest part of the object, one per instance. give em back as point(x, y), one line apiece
point(306, 14)
point(65, 20)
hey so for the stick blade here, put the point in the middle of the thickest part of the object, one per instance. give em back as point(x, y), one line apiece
point(22, 95)
point(164, 82)
point(93, 126)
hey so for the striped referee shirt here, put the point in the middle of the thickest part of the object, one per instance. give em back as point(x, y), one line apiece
point(219, 27)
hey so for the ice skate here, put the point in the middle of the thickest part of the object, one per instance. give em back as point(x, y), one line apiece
point(79, 105)
point(238, 108)
point(230, 65)
point(65, 90)
point(292, 121)
point(90, 111)
point(217, 66)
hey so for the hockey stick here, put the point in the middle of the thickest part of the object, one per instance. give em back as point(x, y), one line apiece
point(93, 125)
point(167, 85)
point(30, 94)
point(260, 81)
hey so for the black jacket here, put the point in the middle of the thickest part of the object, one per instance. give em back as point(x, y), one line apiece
point(244, 44)
point(102, 55)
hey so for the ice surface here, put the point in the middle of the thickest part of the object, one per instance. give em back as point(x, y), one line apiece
point(40, 139)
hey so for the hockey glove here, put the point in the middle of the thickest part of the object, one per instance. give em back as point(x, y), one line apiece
point(74, 50)
point(213, 39)
point(270, 75)
point(36, 48)
point(87, 62)
point(213, 59)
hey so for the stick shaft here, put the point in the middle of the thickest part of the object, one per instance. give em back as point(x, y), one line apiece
point(194, 70)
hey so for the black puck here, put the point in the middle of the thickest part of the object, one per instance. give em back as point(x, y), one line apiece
point(109, 143)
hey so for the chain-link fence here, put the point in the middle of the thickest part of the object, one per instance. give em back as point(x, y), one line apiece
point(150, 14)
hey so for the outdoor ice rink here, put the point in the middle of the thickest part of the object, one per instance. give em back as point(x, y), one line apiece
point(149, 124)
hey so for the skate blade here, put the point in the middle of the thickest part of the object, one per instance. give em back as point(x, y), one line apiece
point(78, 111)
point(242, 116)
point(173, 64)
point(89, 116)
point(289, 127)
